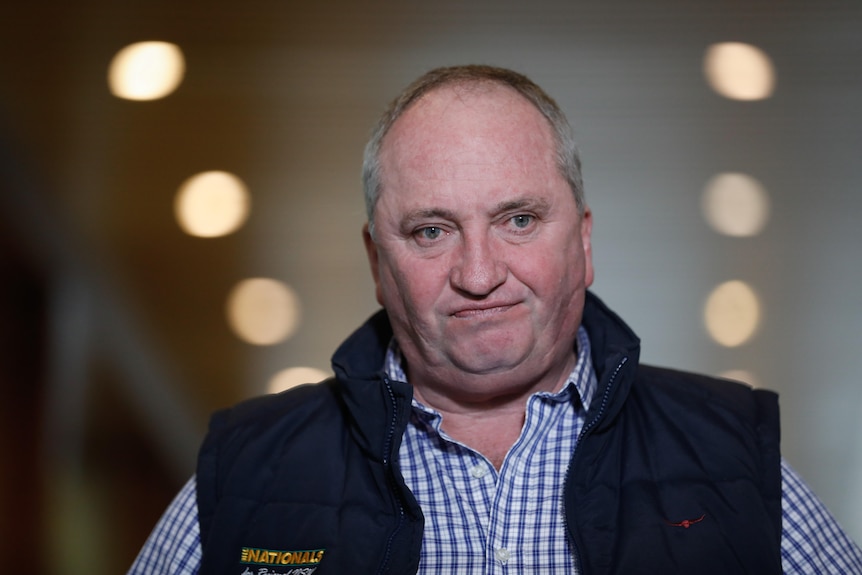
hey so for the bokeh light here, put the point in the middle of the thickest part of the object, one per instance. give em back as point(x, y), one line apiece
point(293, 376)
point(732, 313)
point(146, 71)
point(263, 311)
point(212, 204)
point(739, 71)
point(735, 204)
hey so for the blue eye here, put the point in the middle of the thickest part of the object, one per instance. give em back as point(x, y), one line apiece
point(522, 220)
point(430, 233)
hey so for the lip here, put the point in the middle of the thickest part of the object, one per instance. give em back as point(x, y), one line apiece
point(482, 311)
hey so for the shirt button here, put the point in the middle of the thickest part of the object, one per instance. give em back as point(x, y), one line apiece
point(479, 471)
point(502, 555)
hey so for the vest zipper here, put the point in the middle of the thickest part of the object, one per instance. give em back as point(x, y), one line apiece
point(584, 431)
point(390, 477)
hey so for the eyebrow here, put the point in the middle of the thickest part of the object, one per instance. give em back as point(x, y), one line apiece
point(529, 202)
point(521, 203)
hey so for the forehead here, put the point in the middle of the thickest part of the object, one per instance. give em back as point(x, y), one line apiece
point(467, 127)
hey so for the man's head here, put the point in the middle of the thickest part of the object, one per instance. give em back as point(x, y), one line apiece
point(568, 159)
point(481, 247)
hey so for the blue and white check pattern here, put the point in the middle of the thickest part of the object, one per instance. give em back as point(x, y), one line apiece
point(811, 539)
point(479, 521)
point(482, 521)
point(174, 546)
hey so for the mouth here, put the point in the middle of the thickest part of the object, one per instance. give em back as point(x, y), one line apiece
point(481, 312)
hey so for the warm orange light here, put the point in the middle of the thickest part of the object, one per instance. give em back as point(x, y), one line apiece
point(263, 311)
point(739, 71)
point(146, 71)
point(735, 205)
point(732, 313)
point(212, 204)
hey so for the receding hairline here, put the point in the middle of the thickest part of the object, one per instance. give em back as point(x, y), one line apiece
point(459, 84)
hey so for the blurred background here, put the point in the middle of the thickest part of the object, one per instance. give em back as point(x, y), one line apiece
point(180, 216)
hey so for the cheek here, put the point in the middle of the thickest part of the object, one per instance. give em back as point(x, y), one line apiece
point(411, 285)
point(556, 273)
point(541, 262)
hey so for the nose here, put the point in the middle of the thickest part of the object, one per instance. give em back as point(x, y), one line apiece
point(478, 268)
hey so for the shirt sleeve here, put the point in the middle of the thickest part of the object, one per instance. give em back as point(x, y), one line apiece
point(812, 542)
point(174, 546)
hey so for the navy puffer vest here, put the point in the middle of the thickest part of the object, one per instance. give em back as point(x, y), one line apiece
point(673, 473)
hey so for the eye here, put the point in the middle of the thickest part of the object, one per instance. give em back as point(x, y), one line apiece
point(522, 221)
point(429, 233)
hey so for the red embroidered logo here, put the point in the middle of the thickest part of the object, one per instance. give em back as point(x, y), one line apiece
point(686, 523)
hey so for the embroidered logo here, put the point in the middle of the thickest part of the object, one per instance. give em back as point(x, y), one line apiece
point(303, 562)
point(686, 523)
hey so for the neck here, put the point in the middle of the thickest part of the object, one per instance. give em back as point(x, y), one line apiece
point(489, 423)
point(491, 432)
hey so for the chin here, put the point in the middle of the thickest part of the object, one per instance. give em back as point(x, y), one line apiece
point(487, 364)
point(493, 388)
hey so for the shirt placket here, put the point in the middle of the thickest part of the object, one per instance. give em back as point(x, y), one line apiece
point(516, 496)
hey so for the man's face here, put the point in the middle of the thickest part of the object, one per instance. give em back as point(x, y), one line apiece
point(479, 256)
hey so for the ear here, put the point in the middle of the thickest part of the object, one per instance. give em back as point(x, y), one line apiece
point(586, 241)
point(373, 261)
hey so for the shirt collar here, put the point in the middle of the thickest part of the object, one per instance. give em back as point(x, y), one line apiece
point(581, 381)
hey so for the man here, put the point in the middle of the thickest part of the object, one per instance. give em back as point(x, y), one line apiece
point(494, 418)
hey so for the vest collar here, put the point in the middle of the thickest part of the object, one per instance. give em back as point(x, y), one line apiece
point(616, 352)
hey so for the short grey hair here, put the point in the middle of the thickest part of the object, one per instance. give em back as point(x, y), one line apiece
point(568, 158)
